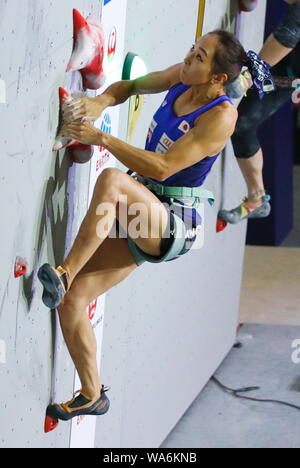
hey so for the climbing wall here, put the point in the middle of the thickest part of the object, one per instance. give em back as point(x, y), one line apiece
point(43, 198)
point(169, 326)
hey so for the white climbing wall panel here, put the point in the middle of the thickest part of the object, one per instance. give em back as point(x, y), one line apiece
point(43, 197)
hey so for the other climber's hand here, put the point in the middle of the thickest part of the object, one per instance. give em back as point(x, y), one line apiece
point(89, 108)
point(84, 133)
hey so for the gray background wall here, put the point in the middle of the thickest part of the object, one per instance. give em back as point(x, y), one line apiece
point(167, 327)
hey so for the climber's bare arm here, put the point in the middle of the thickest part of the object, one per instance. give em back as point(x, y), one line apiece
point(119, 92)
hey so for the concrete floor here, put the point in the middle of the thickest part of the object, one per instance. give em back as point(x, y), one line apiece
point(216, 419)
point(270, 290)
point(270, 312)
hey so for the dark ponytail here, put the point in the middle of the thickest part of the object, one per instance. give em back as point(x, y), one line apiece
point(231, 57)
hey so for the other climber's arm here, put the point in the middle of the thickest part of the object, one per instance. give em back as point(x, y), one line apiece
point(284, 38)
point(273, 51)
point(278, 45)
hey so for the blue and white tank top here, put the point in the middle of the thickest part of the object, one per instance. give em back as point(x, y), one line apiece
point(166, 128)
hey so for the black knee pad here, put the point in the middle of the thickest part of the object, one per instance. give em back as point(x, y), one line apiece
point(252, 113)
point(245, 144)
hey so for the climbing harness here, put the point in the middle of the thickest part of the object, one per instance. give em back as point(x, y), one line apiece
point(190, 197)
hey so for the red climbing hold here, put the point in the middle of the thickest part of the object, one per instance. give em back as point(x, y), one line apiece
point(64, 96)
point(247, 5)
point(60, 142)
point(79, 23)
point(80, 153)
point(88, 50)
point(50, 424)
point(221, 225)
point(21, 267)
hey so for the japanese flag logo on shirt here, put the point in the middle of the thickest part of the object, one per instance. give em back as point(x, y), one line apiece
point(184, 126)
point(151, 130)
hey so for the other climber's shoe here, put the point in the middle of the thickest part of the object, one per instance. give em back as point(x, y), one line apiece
point(80, 406)
point(246, 210)
point(55, 282)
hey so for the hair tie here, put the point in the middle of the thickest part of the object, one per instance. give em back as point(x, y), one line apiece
point(261, 74)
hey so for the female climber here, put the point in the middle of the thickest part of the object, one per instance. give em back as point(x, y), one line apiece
point(186, 136)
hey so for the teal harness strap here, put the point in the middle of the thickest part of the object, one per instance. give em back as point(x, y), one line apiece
point(184, 192)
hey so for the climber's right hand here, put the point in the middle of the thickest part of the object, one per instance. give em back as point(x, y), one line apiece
point(89, 108)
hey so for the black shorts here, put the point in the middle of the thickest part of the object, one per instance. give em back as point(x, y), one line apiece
point(252, 113)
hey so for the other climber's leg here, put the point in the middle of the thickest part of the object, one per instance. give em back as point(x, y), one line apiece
point(257, 204)
point(252, 170)
point(247, 149)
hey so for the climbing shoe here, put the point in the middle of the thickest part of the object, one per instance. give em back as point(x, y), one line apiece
point(246, 210)
point(55, 282)
point(80, 406)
